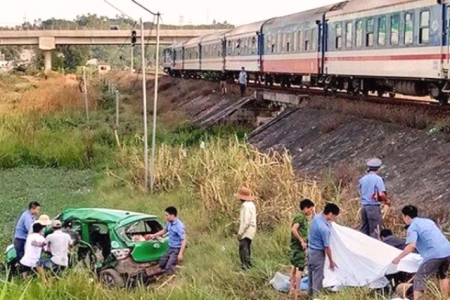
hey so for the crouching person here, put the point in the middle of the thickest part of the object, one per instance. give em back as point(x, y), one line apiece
point(58, 245)
point(34, 244)
point(432, 245)
point(177, 241)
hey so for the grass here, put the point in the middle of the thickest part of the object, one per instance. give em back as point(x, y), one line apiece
point(54, 156)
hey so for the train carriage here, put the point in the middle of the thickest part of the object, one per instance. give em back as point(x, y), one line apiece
point(292, 47)
point(243, 49)
point(176, 60)
point(192, 58)
point(388, 46)
point(167, 59)
point(213, 49)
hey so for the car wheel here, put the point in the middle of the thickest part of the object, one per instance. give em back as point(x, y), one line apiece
point(111, 278)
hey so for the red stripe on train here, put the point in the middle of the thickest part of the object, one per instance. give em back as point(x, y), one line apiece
point(389, 57)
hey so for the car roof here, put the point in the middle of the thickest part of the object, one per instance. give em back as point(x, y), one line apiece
point(104, 215)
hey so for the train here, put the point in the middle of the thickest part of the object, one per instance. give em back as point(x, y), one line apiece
point(386, 47)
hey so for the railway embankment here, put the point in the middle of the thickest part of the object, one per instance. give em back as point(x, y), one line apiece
point(332, 138)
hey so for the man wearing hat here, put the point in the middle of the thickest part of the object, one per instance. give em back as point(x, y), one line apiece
point(247, 228)
point(58, 245)
point(373, 193)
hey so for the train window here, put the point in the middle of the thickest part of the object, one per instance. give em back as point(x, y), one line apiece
point(253, 46)
point(338, 36)
point(424, 33)
point(314, 39)
point(279, 43)
point(382, 31)
point(369, 33)
point(395, 26)
point(348, 35)
point(409, 31)
point(359, 33)
point(307, 40)
point(300, 40)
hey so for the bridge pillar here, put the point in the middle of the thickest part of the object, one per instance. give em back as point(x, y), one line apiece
point(47, 44)
point(47, 61)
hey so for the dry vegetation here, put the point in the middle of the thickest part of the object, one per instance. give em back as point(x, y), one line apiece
point(413, 117)
point(39, 96)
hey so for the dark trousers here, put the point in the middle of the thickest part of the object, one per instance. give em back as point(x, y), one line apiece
point(169, 261)
point(242, 86)
point(245, 253)
point(19, 245)
point(316, 264)
point(371, 218)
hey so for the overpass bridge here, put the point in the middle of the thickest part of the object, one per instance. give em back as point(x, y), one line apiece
point(47, 40)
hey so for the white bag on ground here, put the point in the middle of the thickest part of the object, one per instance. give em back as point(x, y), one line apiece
point(282, 283)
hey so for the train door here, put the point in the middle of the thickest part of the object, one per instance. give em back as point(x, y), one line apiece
point(174, 57)
point(319, 40)
point(446, 39)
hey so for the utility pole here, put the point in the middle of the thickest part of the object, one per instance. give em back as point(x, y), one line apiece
point(155, 100)
point(132, 59)
point(117, 107)
point(144, 102)
point(85, 93)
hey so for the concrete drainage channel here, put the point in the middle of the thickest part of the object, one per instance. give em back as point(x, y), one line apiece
point(262, 109)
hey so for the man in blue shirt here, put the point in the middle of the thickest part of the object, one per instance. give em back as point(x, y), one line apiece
point(432, 245)
point(373, 192)
point(23, 228)
point(242, 81)
point(319, 246)
point(177, 241)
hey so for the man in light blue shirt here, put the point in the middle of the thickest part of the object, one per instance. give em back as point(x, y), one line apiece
point(23, 227)
point(242, 81)
point(177, 241)
point(373, 192)
point(319, 246)
point(432, 245)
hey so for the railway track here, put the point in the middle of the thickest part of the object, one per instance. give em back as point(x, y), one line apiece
point(427, 105)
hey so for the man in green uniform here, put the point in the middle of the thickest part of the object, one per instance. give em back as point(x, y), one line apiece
point(299, 243)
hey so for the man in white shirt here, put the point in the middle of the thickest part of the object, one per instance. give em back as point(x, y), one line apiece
point(247, 228)
point(58, 245)
point(242, 81)
point(33, 249)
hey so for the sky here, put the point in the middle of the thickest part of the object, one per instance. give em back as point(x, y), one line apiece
point(236, 12)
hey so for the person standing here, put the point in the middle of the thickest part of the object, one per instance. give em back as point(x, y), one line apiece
point(432, 245)
point(58, 245)
point(319, 246)
point(177, 241)
point(299, 243)
point(23, 226)
point(247, 228)
point(243, 81)
point(223, 82)
point(34, 244)
point(373, 193)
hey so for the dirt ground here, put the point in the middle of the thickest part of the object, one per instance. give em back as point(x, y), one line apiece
point(325, 141)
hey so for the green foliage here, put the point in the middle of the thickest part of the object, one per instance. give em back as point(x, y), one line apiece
point(53, 141)
point(191, 135)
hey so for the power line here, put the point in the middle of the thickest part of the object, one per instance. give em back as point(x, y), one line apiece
point(119, 10)
point(126, 39)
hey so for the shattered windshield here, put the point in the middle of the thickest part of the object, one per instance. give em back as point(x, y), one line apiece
point(137, 231)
